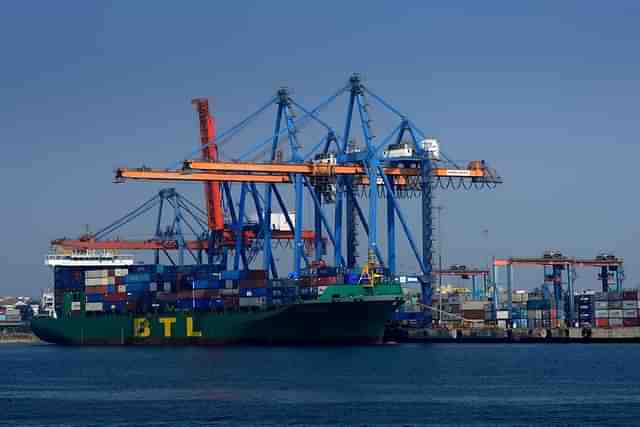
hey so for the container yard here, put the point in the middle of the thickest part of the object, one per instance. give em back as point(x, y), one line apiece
point(552, 312)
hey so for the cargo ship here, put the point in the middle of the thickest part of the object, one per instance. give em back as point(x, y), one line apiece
point(109, 300)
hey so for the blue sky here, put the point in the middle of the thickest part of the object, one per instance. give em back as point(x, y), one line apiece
point(546, 91)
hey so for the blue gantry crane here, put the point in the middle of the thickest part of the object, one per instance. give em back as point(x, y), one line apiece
point(340, 182)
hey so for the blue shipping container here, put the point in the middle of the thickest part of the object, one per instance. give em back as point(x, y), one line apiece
point(284, 292)
point(137, 287)
point(195, 303)
point(352, 278)
point(207, 284)
point(136, 278)
point(95, 297)
point(232, 275)
point(255, 292)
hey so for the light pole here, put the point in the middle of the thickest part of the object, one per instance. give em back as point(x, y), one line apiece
point(439, 209)
point(485, 232)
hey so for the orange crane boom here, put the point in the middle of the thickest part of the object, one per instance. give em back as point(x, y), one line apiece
point(153, 244)
point(202, 171)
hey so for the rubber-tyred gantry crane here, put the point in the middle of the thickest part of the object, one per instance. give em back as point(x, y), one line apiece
point(556, 265)
point(334, 173)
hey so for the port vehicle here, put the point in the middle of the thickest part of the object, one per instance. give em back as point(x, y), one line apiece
point(552, 254)
point(605, 256)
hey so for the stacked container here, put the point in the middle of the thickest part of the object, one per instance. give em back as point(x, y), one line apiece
point(540, 312)
point(617, 309)
point(630, 304)
point(616, 313)
point(586, 309)
point(474, 310)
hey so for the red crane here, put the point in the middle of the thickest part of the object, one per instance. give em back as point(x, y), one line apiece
point(212, 195)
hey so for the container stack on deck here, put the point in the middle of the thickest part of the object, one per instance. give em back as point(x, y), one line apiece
point(148, 288)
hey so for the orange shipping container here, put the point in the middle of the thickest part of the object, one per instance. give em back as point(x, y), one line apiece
point(602, 323)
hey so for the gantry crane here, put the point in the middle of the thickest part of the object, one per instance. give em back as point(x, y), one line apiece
point(335, 173)
point(555, 265)
point(212, 235)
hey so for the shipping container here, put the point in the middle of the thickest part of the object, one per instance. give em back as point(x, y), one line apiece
point(115, 297)
point(207, 284)
point(629, 305)
point(92, 274)
point(615, 322)
point(615, 305)
point(137, 278)
point(630, 294)
point(96, 290)
point(95, 297)
point(474, 305)
point(166, 296)
point(602, 323)
point(99, 281)
point(601, 296)
point(472, 314)
point(614, 296)
point(352, 278)
point(630, 313)
point(538, 304)
point(502, 314)
point(602, 305)
point(93, 306)
point(615, 314)
point(252, 283)
point(137, 287)
point(252, 301)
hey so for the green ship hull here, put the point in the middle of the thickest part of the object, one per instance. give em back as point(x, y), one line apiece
point(350, 320)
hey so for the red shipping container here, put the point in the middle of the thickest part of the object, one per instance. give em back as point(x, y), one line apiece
point(231, 301)
point(166, 296)
point(630, 322)
point(185, 294)
point(119, 280)
point(111, 273)
point(602, 323)
point(257, 275)
point(631, 295)
point(252, 283)
point(89, 290)
point(115, 297)
point(324, 281)
point(206, 293)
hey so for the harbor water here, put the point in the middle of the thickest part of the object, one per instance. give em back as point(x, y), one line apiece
point(407, 384)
